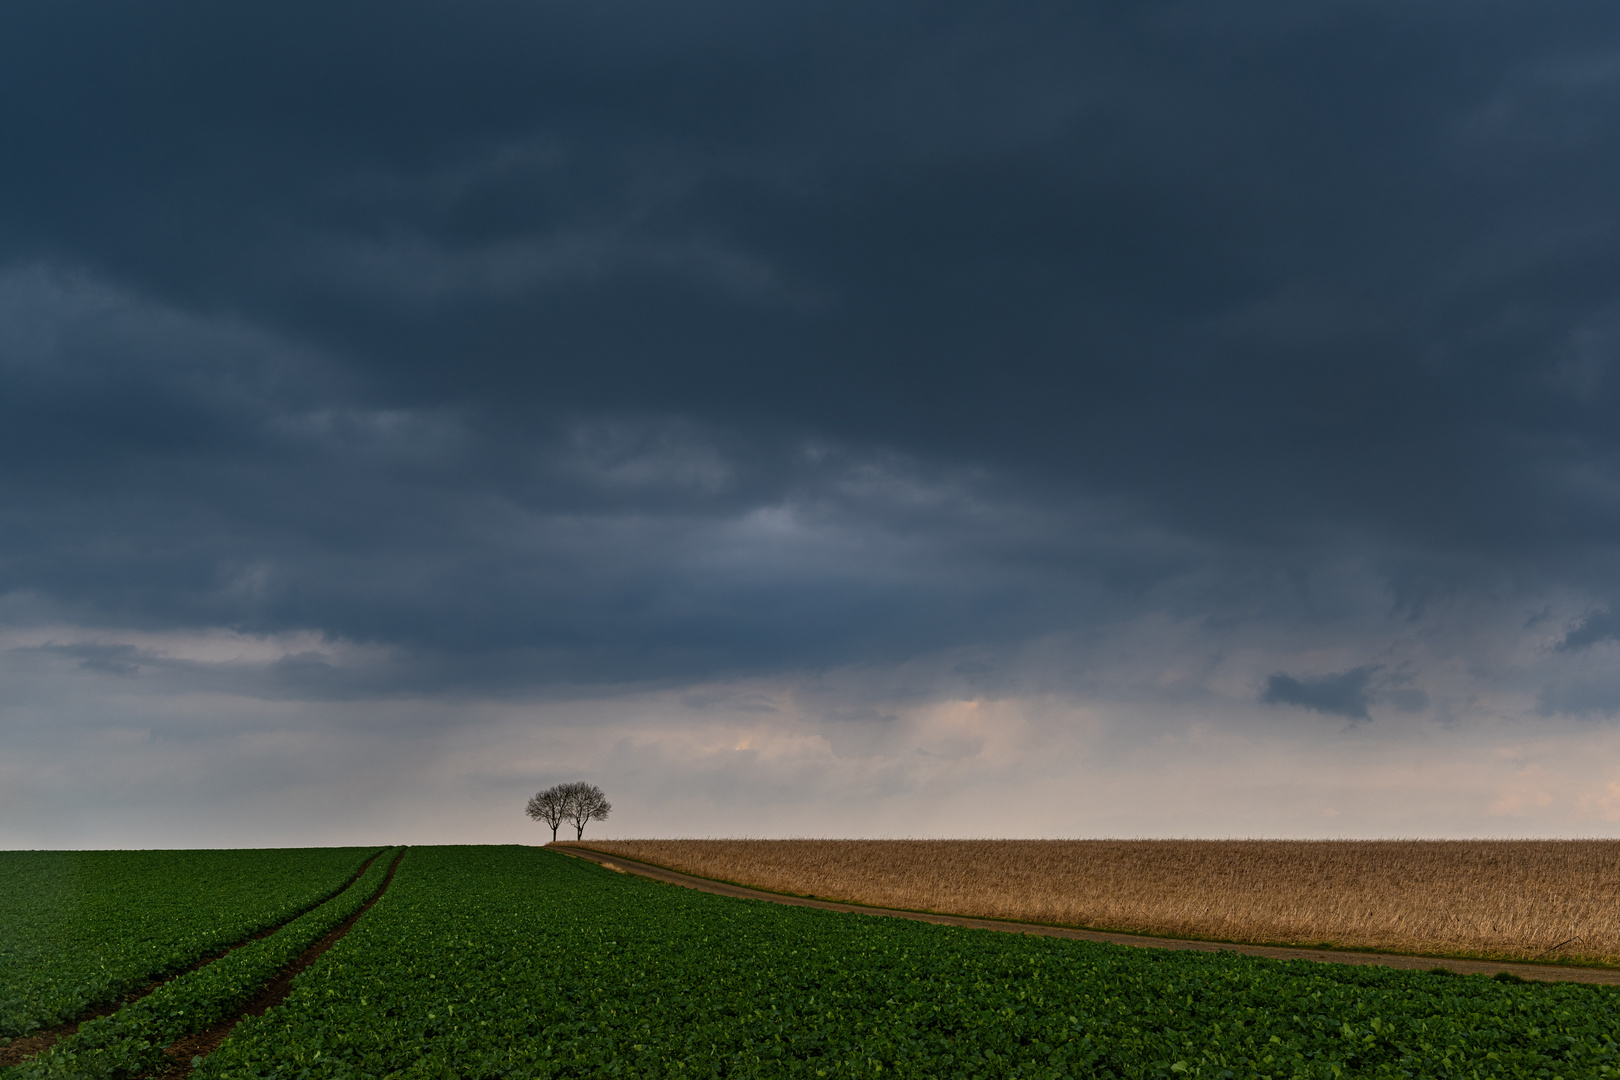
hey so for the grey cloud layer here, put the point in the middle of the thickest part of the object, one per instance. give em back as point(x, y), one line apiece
point(541, 343)
point(1341, 694)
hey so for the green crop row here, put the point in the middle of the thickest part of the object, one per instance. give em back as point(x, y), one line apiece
point(84, 928)
point(131, 1041)
point(516, 962)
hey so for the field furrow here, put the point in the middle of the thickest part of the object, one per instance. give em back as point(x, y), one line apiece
point(132, 1041)
point(84, 929)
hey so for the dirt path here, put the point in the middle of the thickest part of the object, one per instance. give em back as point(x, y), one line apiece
point(1539, 972)
point(193, 1047)
point(26, 1046)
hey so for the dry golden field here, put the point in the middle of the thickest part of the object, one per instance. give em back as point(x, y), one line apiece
point(1513, 899)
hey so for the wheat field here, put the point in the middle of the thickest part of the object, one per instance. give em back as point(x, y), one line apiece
point(1507, 899)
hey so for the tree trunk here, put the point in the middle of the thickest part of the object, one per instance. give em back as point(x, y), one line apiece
point(554, 834)
point(581, 834)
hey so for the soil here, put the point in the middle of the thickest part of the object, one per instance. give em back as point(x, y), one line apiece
point(1538, 972)
point(24, 1047)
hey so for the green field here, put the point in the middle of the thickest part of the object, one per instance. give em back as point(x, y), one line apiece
point(82, 928)
point(519, 962)
point(131, 1041)
point(512, 962)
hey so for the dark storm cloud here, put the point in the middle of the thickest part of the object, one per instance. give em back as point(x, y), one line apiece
point(1596, 627)
point(1342, 694)
point(554, 341)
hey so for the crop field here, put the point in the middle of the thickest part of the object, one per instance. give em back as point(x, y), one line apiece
point(520, 962)
point(80, 929)
point(1516, 900)
point(131, 1041)
point(515, 962)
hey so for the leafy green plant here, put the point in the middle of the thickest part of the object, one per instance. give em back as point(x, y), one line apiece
point(84, 928)
point(132, 1040)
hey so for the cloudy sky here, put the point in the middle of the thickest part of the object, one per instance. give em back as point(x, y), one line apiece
point(808, 419)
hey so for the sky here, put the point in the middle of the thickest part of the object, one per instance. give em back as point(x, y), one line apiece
point(1139, 419)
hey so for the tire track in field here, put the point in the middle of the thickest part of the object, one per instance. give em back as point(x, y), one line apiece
point(188, 1050)
point(1536, 972)
point(23, 1047)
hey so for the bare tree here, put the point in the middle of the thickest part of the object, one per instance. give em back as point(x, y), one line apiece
point(551, 807)
point(584, 802)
